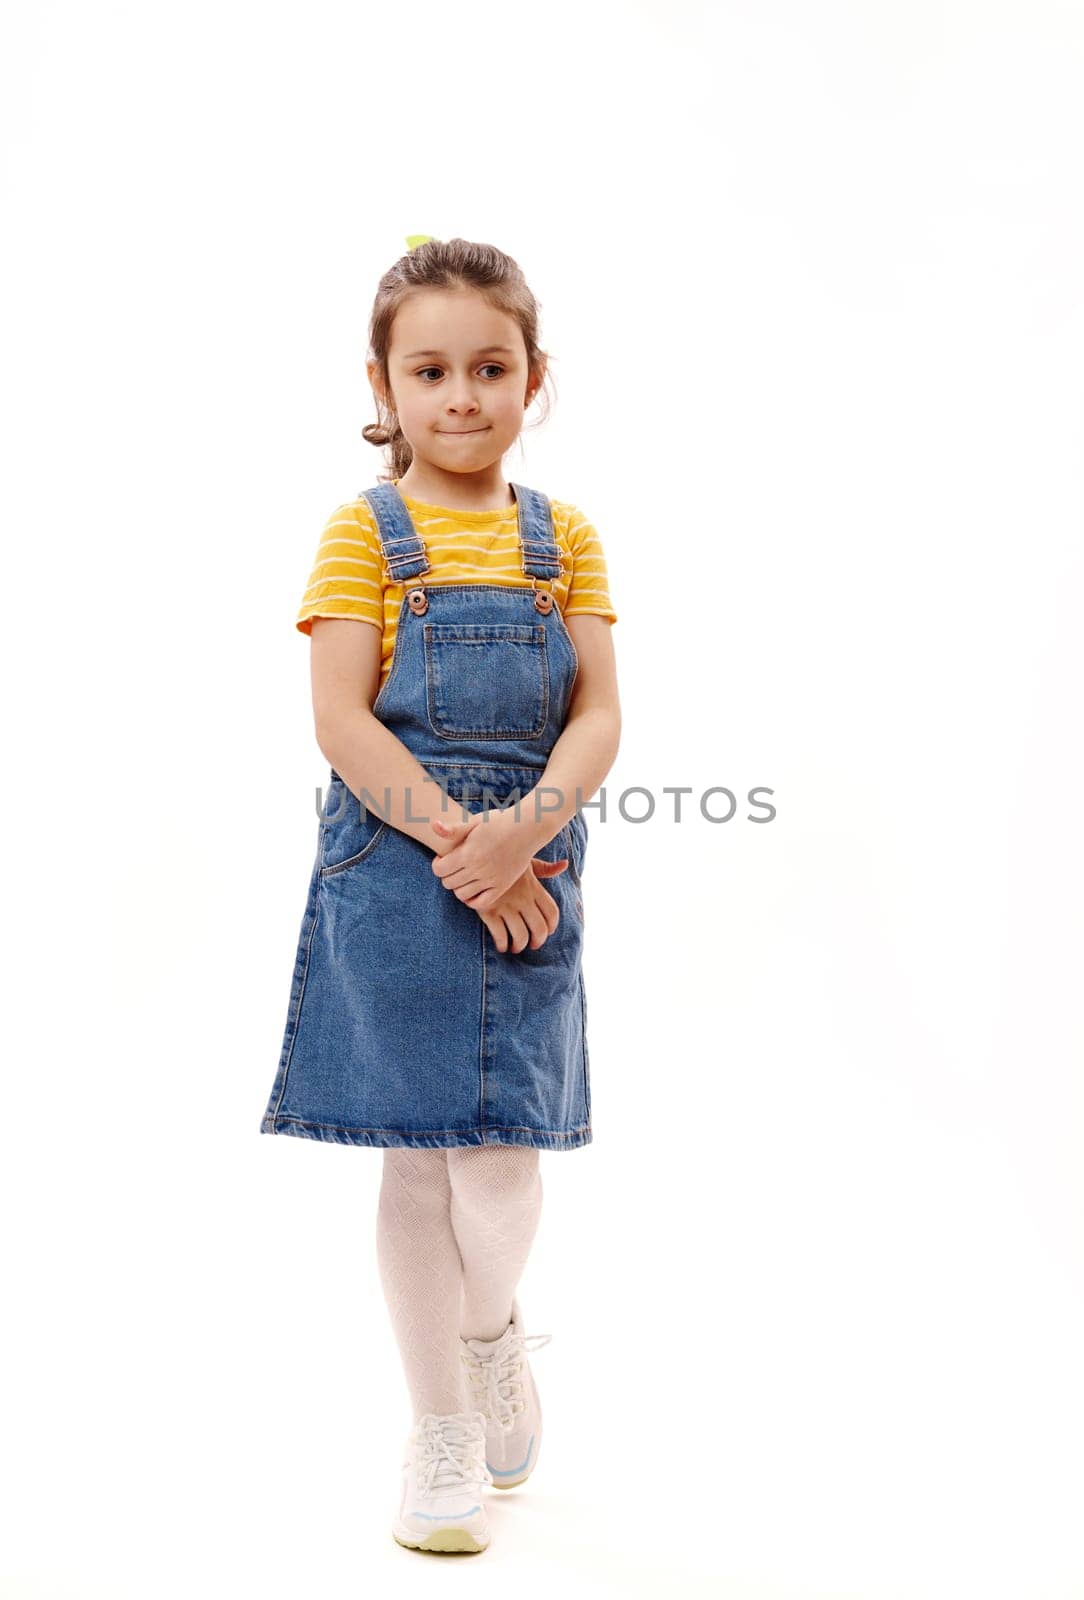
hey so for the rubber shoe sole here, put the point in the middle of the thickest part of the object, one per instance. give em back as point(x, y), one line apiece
point(441, 1508)
point(450, 1540)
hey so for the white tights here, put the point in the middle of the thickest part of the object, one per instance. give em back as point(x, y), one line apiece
point(454, 1229)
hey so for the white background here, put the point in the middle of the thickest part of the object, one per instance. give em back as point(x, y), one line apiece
point(810, 277)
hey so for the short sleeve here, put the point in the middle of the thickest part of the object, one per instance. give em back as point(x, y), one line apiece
point(346, 577)
point(589, 591)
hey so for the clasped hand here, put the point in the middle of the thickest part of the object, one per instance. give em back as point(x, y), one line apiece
point(492, 868)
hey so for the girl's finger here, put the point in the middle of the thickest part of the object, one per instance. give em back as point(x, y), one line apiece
point(448, 829)
point(445, 868)
point(550, 911)
point(479, 899)
point(549, 869)
point(518, 932)
point(460, 878)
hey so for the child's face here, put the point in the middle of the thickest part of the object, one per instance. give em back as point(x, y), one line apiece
point(462, 408)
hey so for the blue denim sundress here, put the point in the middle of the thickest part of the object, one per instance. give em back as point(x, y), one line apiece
point(406, 1025)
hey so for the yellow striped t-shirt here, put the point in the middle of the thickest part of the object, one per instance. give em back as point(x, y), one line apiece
point(350, 577)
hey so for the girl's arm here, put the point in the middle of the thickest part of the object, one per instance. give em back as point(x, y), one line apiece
point(345, 664)
point(580, 759)
point(587, 748)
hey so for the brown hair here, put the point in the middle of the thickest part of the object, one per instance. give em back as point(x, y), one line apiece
point(444, 264)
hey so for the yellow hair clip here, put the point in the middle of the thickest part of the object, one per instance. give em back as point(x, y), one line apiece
point(415, 239)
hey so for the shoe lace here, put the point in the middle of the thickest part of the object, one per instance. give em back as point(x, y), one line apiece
point(451, 1452)
point(497, 1379)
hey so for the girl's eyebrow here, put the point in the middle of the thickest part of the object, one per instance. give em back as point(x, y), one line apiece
point(487, 349)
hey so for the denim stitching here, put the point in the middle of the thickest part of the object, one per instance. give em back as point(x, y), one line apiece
point(572, 646)
point(352, 861)
point(583, 1036)
point(395, 657)
point(433, 1133)
point(300, 981)
point(430, 647)
point(482, 1028)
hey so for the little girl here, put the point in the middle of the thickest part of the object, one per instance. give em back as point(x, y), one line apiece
point(437, 1007)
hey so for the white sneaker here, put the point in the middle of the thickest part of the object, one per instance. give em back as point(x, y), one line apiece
point(444, 1471)
point(503, 1389)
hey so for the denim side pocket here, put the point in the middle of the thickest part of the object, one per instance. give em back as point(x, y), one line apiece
point(349, 831)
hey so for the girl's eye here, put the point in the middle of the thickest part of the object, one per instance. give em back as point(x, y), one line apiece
point(494, 365)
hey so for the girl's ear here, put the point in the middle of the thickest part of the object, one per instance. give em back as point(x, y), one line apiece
point(534, 381)
point(376, 382)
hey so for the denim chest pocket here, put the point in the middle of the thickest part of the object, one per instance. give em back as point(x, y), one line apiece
point(486, 680)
